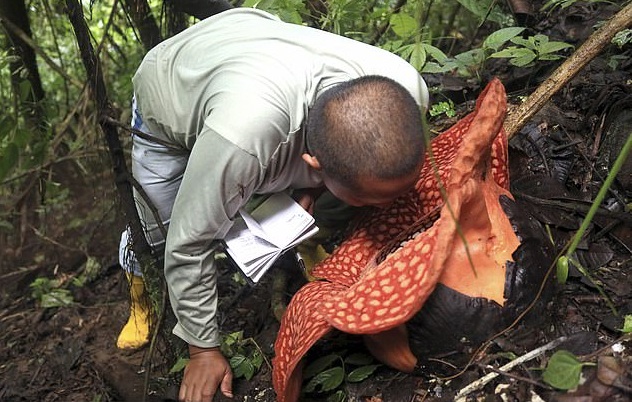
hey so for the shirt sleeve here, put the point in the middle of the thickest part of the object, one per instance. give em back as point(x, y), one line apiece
point(218, 180)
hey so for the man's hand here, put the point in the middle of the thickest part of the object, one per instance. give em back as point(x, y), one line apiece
point(207, 370)
point(307, 197)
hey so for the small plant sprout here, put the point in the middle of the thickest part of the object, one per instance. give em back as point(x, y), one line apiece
point(329, 373)
point(532, 49)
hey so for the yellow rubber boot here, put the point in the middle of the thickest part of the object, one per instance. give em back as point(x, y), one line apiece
point(135, 333)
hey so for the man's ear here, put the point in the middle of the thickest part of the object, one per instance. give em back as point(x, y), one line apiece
point(312, 161)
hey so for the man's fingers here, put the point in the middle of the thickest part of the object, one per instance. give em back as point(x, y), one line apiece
point(227, 385)
point(207, 396)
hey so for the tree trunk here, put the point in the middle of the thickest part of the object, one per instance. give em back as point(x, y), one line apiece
point(200, 9)
point(141, 15)
point(15, 12)
point(28, 91)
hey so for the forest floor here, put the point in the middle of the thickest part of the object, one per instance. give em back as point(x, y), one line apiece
point(558, 162)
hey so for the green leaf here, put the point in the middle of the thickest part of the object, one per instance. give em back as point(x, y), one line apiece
point(496, 39)
point(481, 8)
point(528, 43)
point(471, 58)
point(24, 89)
point(7, 126)
point(338, 396)
point(56, 298)
point(439, 108)
point(523, 60)
point(435, 53)
point(230, 344)
point(242, 366)
point(234, 337)
point(327, 380)
point(418, 56)
point(362, 373)
point(627, 324)
point(319, 365)
point(405, 51)
point(519, 56)
point(256, 359)
point(9, 157)
point(359, 359)
point(563, 370)
point(435, 68)
point(179, 365)
point(622, 38)
point(403, 25)
point(552, 47)
point(236, 360)
point(23, 137)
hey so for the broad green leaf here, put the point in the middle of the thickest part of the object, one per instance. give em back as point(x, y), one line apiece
point(179, 365)
point(524, 60)
point(528, 43)
point(236, 360)
point(405, 51)
point(435, 53)
point(552, 47)
point(256, 359)
point(496, 39)
point(481, 8)
point(242, 366)
point(471, 58)
point(234, 337)
point(327, 380)
point(359, 359)
point(563, 370)
point(319, 365)
point(418, 56)
point(520, 57)
point(56, 298)
point(362, 373)
point(403, 25)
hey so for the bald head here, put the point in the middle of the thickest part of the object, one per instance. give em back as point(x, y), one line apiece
point(369, 127)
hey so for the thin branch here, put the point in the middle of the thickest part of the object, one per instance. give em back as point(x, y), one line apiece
point(24, 37)
point(481, 382)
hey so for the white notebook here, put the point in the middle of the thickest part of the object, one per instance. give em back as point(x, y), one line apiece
point(259, 238)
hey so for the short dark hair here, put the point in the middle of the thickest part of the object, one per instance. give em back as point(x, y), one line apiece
point(368, 127)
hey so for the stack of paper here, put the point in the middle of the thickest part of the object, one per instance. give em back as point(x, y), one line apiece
point(259, 238)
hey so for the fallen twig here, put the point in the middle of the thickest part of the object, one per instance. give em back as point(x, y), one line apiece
point(481, 382)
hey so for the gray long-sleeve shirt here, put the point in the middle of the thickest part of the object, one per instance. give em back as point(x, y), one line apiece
point(235, 89)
